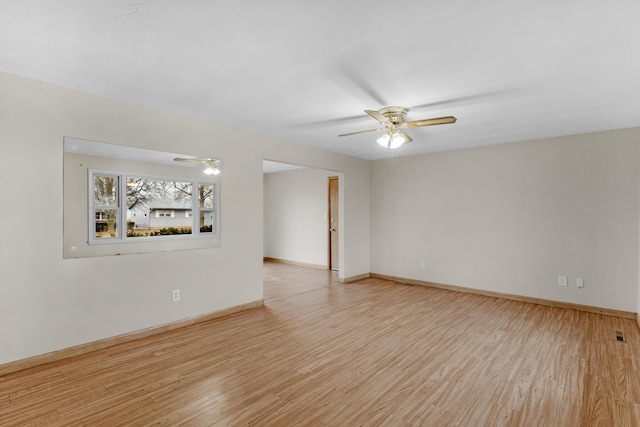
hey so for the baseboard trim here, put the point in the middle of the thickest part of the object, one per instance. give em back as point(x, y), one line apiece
point(354, 278)
point(638, 319)
point(297, 263)
point(82, 349)
point(520, 298)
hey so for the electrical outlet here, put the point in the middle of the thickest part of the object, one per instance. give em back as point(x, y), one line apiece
point(176, 295)
point(580, 282)
point(563, 281)
point(423, 264)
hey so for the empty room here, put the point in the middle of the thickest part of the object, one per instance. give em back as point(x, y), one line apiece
point(328, 214)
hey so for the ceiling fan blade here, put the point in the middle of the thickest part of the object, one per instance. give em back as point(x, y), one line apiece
point(361, 131)
point(180, 159)
point(430, 122)
point(405, 135)
point(379, 117)
point(202, 160)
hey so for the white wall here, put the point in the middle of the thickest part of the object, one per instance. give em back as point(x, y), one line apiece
point(508, 218)
point(295, 215)
point(511, 218)
point(48, 303)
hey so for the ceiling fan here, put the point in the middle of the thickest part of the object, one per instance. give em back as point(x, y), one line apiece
point(393, 119)
point(209, 166)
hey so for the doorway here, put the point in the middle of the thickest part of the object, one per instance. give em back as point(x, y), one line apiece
point(296, 219)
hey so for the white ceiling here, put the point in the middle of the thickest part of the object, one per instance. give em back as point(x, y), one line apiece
point(305, 71)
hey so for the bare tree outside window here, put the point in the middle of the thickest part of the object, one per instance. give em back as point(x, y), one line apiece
point(206, 197)
point(106, 210)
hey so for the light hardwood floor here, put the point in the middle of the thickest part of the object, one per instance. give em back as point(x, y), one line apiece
point(284, 280)
point(371, 352)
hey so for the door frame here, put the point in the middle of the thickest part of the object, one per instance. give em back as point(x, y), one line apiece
point(333, 234)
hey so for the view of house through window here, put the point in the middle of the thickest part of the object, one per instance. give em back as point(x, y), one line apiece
point(158, 207)
point(151, 207)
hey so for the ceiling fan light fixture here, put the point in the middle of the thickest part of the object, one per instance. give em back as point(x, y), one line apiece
point(392, 140)
point(397, 140)
point(383, 141)
point(211, 168)
point(394, 121)
point(208, 166)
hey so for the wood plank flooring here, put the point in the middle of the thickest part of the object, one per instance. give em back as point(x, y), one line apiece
point(283, 280)
point(371, 352)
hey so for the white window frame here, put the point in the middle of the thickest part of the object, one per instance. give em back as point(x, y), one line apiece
point(121, 211)
point(93, 208)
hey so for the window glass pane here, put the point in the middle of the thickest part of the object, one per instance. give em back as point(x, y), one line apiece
point(105, 190)
point(206, 195)
point(106, 223)
point(206, 221)
point(158, 207)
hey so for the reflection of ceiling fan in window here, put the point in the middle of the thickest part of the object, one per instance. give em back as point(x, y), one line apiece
point(393, 119)
point(209, 166)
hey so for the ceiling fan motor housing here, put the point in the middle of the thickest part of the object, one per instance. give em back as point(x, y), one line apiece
point(395, 115)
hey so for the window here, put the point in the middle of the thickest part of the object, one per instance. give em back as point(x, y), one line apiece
point(105, 206)
point(99, 219)
point(207, 210)
point(151, 207)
